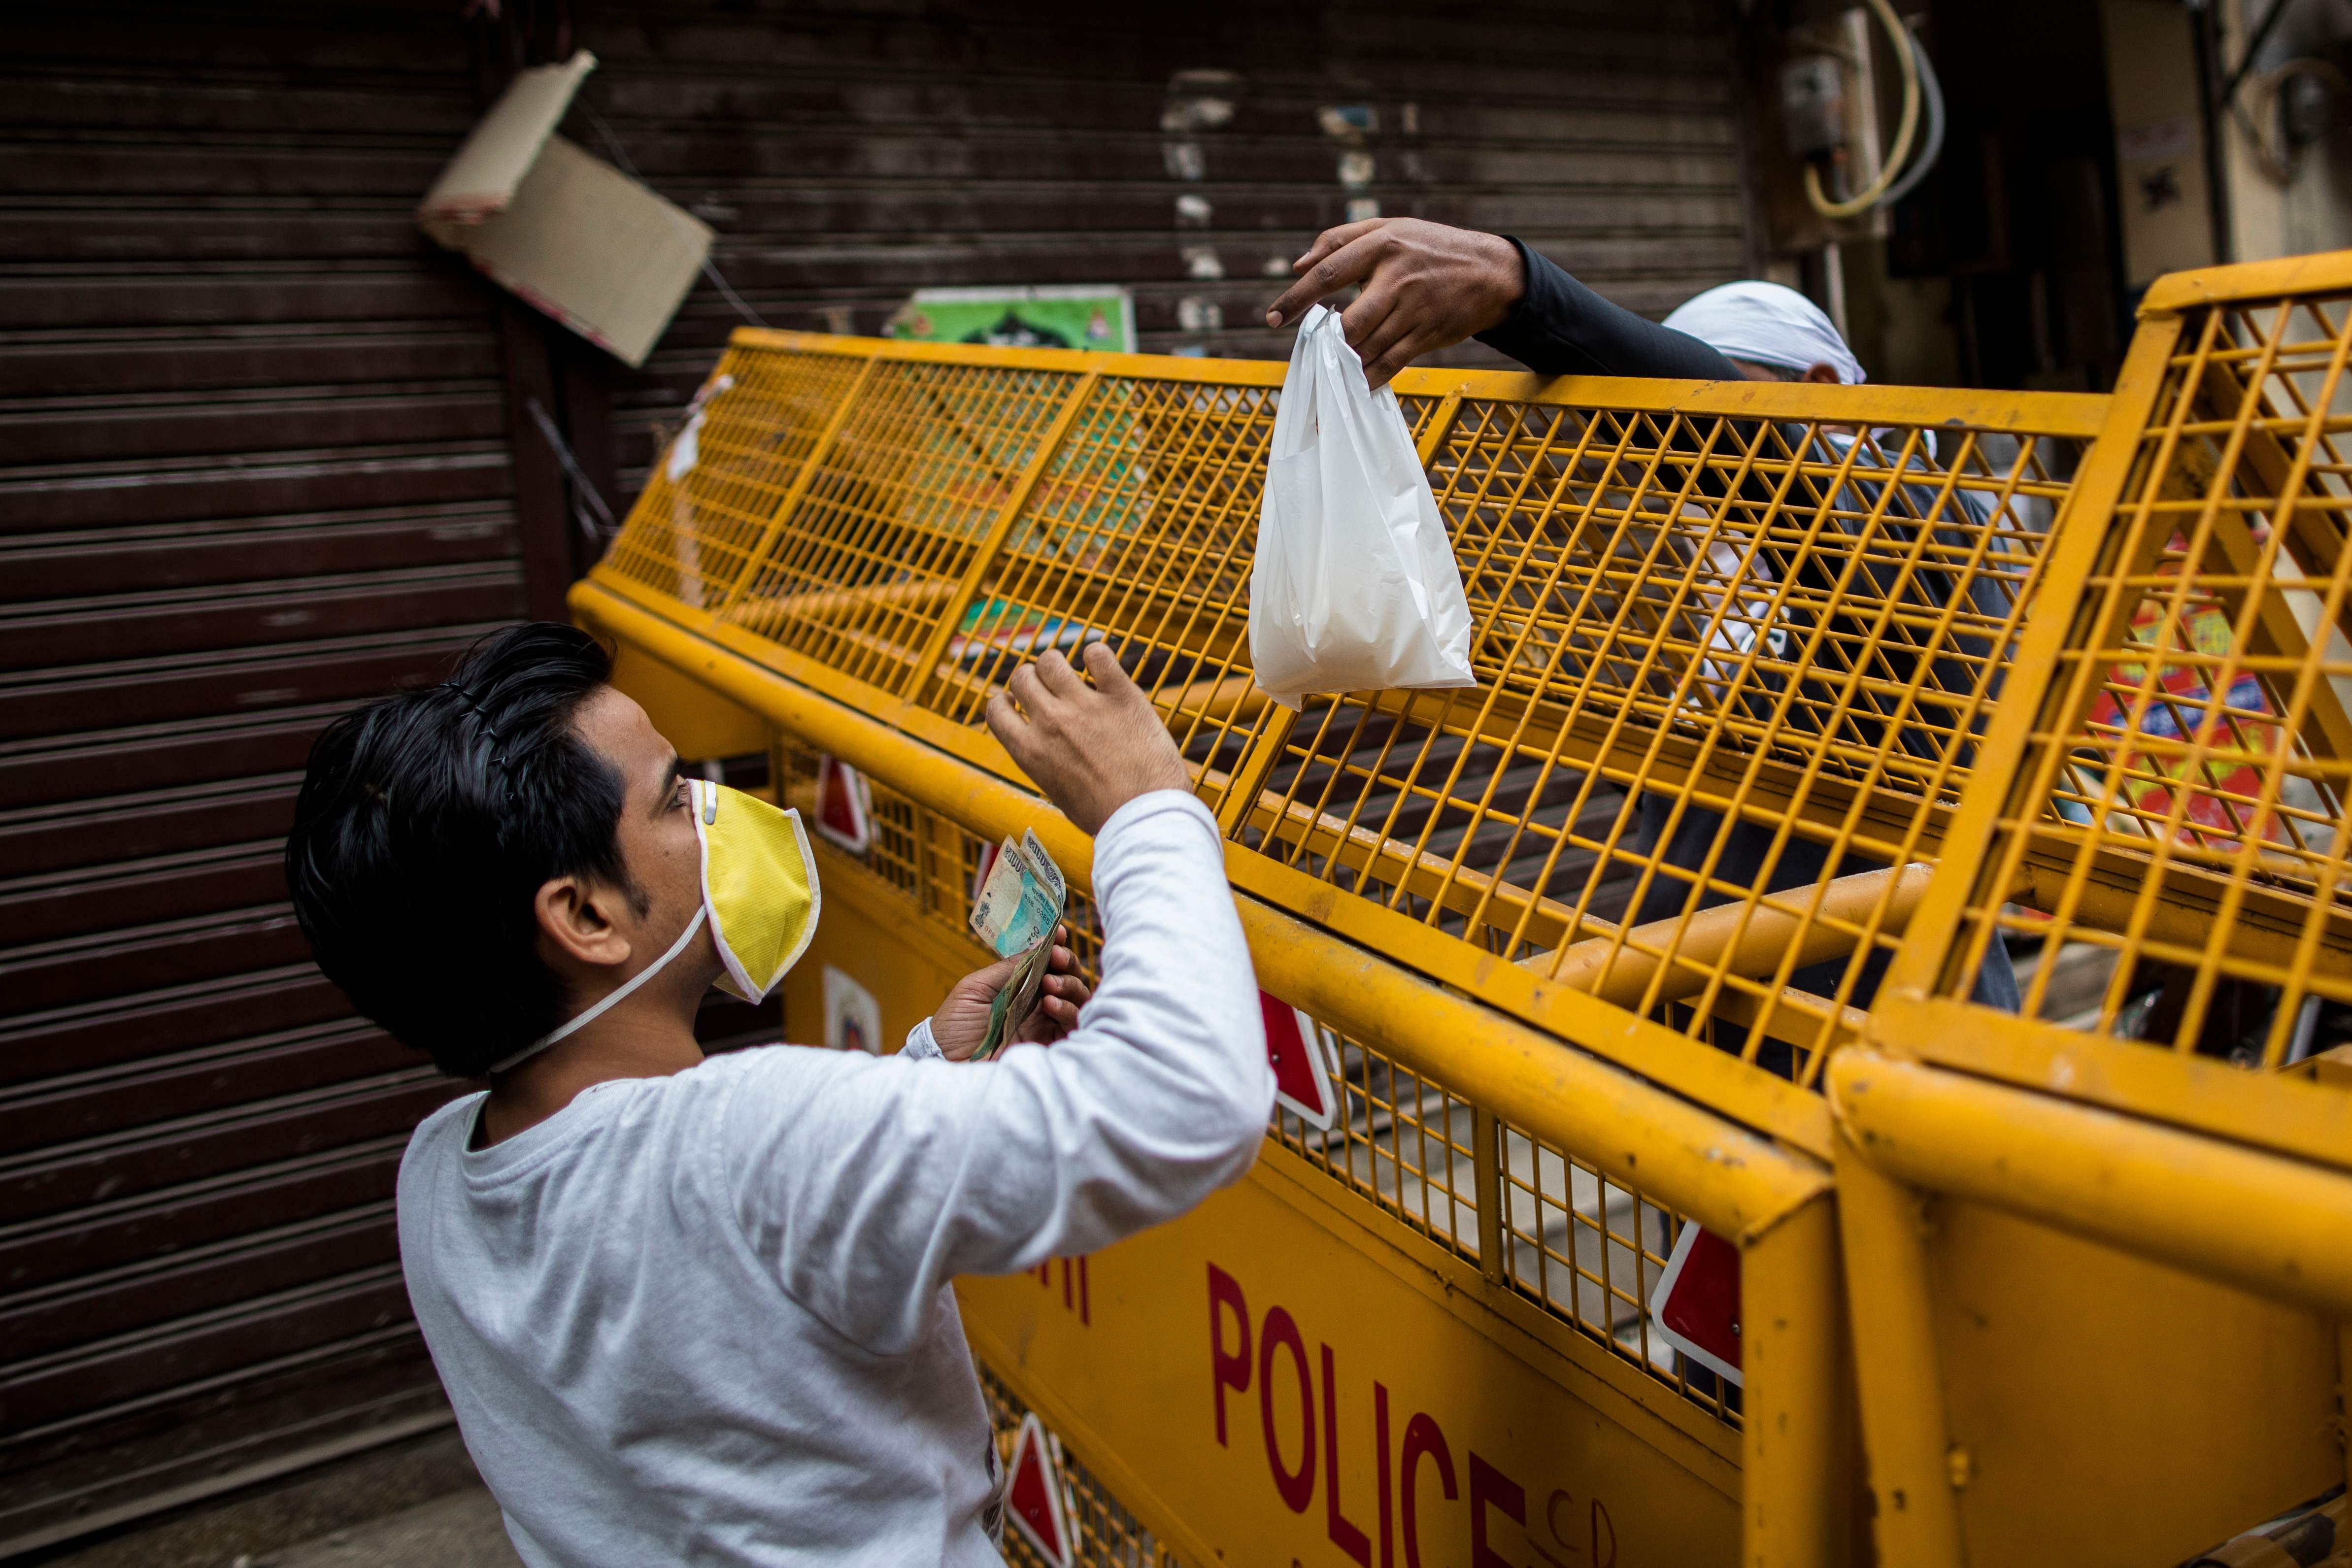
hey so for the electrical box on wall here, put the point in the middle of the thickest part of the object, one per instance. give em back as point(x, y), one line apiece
point(1828, 95)
point(1813, 105)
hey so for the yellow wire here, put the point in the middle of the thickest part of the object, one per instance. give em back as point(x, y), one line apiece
point(1855, 205)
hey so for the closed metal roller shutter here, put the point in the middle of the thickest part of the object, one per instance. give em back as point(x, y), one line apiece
point(256, 469)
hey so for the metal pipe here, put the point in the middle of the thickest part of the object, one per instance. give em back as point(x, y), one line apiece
point(1621, 969)
point(827, 604)
point(1898, 1375)
point(1798, 1465)
point(2275, 1225)
point(1217, 699)
point(1733, 1181)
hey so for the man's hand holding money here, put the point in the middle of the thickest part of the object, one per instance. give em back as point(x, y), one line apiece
point(1091, 750)
point(961, 1024)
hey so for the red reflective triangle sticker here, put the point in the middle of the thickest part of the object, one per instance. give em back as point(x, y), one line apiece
point(841, 805)
point(1696, 1303)
point(1302, 1069)
point(1034, 1496)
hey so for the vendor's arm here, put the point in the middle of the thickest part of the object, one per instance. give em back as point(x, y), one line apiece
point(1426, 286)
point(867, 1184)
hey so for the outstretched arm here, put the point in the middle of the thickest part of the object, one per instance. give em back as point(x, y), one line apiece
point(867, 1183)
point(1427, 287)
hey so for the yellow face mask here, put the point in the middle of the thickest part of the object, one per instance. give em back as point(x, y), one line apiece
point(760, 894)
point(759, 887)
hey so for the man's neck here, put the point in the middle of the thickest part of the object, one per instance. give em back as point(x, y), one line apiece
point(652, 1041)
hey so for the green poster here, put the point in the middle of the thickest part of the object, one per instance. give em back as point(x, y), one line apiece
point(1063, 316)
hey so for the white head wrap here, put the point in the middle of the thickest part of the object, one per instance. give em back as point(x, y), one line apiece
point(1768, 324)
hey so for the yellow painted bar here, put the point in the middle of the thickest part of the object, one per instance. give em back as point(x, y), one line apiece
point(1801, 1462)
point(1733, 1183)
point(1890, 1292)
point(2292, 1114)
point(1748, 943)
point(2050, 412)
point(2275, 1225)
point(1793, 1116)
point(2327, 272)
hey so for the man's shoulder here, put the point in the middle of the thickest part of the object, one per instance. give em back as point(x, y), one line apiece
point(754, 1091)
point(441, 1133)
point(450, 1122)
point(775, 1066)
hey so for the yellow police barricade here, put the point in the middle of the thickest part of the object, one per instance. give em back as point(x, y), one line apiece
point(1571, 955)
point(2138, 1242)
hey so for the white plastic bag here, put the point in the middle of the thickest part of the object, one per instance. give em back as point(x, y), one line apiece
point(1354, 587)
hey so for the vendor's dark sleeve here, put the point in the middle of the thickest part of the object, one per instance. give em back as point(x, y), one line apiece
point(1561, 327)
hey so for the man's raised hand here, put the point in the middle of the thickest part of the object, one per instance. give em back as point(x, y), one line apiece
point(1426, 286)
point(1090, 749)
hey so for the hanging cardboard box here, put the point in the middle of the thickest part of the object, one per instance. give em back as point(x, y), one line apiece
point(563, 229)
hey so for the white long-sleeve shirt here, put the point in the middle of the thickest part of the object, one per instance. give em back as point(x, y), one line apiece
point(705, 1319)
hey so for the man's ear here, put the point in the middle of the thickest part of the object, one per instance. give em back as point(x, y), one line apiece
point(575, 919)
point(1826, 374)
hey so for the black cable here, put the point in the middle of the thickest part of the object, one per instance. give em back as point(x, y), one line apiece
point(1932, 146)
point(581, 490)
point(621, 156)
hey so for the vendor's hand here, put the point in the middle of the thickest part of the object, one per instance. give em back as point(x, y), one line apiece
point(1426, 286)
point(961, 1022)
point(1090, 749)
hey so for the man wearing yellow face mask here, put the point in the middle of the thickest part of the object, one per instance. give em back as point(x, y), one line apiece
point(694, 1311)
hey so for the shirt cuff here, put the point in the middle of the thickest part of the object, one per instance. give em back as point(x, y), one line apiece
point(920, 1046)
point(1151, 804)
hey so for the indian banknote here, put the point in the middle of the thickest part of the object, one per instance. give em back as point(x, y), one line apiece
point(1020, 905)
point(1017, 906)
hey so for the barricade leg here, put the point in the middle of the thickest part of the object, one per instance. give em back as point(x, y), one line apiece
point(2343, 1397)
point(1798, 1450)
point(1904, 1435)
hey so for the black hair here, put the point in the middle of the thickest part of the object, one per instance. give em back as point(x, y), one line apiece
point(427, 823)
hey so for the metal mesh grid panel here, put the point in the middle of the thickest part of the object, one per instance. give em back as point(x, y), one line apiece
point(892, 506)
point(2173, 850)
point(1591, 1251)
point(1108, 1535)
point(1734, 669)
point(691, 538)
point(1732, 676)
point(1141, 533)
point(1400, 1141)
point(1586, 1249)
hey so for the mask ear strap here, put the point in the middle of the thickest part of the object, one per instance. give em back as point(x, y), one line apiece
point(631, 984)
